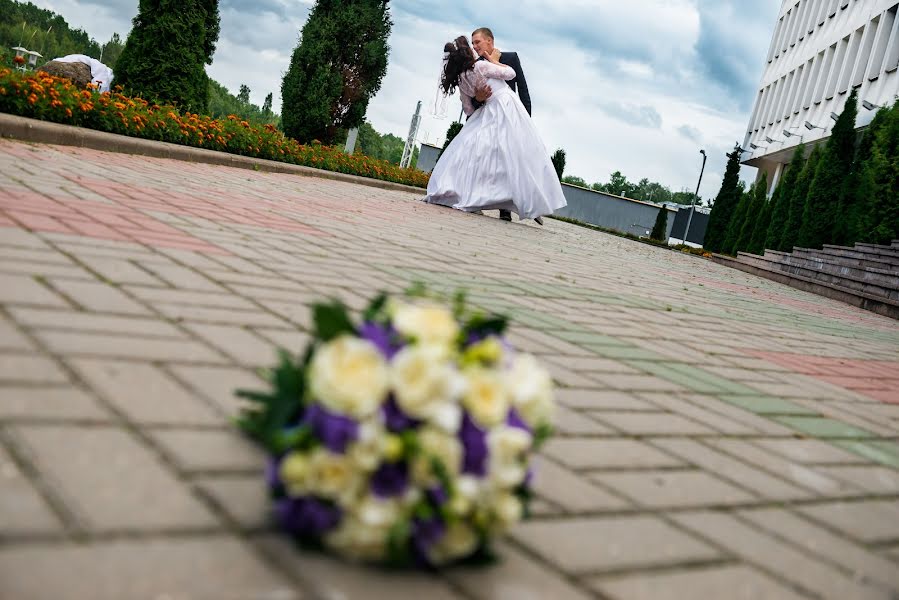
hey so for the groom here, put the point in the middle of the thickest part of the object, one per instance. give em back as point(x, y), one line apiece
point(482, 41)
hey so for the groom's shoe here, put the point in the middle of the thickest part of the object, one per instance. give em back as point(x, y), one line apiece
point(505, 215)
point(538, 220)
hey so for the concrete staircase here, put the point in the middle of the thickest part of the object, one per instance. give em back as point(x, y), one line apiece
point(866, 276)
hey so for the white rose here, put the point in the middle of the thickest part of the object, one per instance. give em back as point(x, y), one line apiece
point(360, 541)
point(349, 376)
point(427, 324)
point(376, 512)
point(486, 397)
point(426, 385)
point(507, 446)
point(334, 476)
point(508, 510)
point(434, 443)
point(296, 473)
point(531, 388)
point(459, 541)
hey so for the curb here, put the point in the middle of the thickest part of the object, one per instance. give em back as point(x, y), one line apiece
point(44, 132)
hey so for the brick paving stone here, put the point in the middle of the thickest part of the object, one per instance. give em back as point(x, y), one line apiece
point(823, 428)
point(132, 490)
point(22, 510)
point(808, 451)
point(601, 400)
point(243, 498)
point(592, 545)
point(566, 489)
point(731, 469)
point(571, 422)
point(22, 368)
point(207, 568)
point(288, 339)
point(223, 316)
point(327, 577)
point(869, 521)
point(209, 450)
point(673, 489)
point(859, 562)
point(707, 583)
point(183, 278)
point(587, 453)
point(12, 339)
point(116, 346)
point(164, 296)
point(99, 297)
point(120, 271)
point(653, 424)
point(218, 384)
point(765, 552)
point(874, 480)
point(146, 394)
point(83, 321)
point(46, 402)
point(517, 576)
point(700, 414)
point(238, 343)
point(20, 289)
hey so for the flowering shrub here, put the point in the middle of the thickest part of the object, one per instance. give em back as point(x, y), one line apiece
point(43, 96)
point(404, 439)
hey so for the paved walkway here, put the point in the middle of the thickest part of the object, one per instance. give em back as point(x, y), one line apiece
point(720, 436)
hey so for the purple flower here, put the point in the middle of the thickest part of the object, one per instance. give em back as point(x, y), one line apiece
point(395, 419)
point(438, 496)
point(385, 338)
point(306, 517)
point(474, 442)
point(390, 480)
point(474, 337)
point(514, 420)
point(272, 475)
point(426, 533)
point(335, 431)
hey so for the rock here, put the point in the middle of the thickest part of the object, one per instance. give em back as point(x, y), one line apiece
point(78, 73)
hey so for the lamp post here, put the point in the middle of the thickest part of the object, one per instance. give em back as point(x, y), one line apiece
point(696, 195)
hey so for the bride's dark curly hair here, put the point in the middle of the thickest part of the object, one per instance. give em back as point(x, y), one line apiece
point(459, 60)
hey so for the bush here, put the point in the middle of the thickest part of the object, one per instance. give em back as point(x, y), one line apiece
point(42, 96)
point(660, 229)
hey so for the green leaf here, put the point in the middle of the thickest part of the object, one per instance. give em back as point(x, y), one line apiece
point(398, 552)
point(543, 432)
point(487, 325)
point(418, 289)
point(331, 320)
point(375, 309)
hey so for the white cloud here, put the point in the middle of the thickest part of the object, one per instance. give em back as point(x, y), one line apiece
point(637, 86)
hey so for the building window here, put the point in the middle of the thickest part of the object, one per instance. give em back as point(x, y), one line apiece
point(888, 30)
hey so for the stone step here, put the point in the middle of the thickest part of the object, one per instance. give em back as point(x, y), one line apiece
point(881, 306)
point(882, 277)
point(887, 290)
point(883, 252)
point(895, 244)
point(857, 259)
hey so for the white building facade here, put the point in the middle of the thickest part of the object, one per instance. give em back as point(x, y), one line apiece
point(821, 50)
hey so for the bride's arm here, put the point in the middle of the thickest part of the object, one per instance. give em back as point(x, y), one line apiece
point(467, 104)
point(496, 70)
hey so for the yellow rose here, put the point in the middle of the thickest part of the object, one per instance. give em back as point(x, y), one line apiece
point(427, 324)
point(357, 540)
point(531, 388)
point(423, 382)
point(486, 397)
point(434, 443)
point(295, 472)
point(507, 510)
point(507, 446)
point(349, 376)
point(334, 476)
point(459, 541)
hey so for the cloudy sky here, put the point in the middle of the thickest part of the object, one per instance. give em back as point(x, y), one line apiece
point(638, 86)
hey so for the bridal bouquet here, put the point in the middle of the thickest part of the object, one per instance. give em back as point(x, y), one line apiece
point(404, 439)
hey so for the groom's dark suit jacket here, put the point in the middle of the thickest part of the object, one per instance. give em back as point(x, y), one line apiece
point(519, 84)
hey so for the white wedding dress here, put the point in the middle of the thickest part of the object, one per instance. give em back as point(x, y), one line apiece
point(497, 161)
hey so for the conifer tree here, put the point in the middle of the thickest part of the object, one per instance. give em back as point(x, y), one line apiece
point(725, 204)
point(797, 200)
point(735, 228)
point(336, 69)
point(878, 217)
point(660, 229)
point(753, 214)
point(821, 216)
point(858, 202)
point(780, 201)
point(164, 59)
point(558, 160)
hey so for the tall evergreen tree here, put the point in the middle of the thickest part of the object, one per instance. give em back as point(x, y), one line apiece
point(780, 201)
point(878, 217)
point(267, 104)
point(336, 69)
point(558, 160)
point(797, 200)
point(166, 52)
point(660, 229)
point(760, 228)
point(725, 204)
point(735, 228)
point(753, 214)
point(821, 219)
point(858, 200)
point(243, 96)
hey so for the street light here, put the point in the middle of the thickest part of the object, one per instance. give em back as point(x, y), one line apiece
point(870, 105)
point(789, 135)
point(834, 116)
point(811, 127)
point(756, 146)
point(696, 195)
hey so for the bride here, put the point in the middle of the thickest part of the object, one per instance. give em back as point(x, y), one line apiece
point(497, 161)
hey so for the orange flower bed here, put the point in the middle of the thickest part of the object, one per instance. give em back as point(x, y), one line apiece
point(39, 95)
